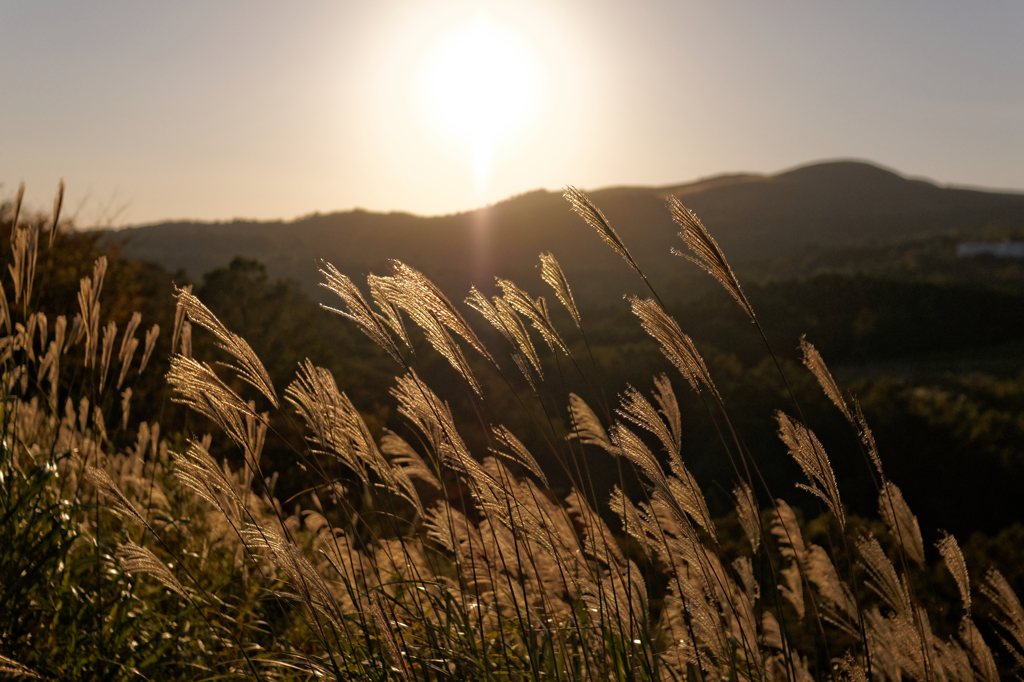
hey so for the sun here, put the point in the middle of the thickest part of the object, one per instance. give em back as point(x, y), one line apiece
point(482, 85)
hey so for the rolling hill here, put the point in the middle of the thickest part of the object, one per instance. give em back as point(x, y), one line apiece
point(757, 219)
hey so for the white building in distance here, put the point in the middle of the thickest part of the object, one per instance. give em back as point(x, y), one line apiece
point(1003, 249)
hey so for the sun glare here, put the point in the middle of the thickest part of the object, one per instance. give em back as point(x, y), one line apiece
point(481, 85)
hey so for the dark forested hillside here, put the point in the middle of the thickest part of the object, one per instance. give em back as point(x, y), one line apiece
point(757, 219)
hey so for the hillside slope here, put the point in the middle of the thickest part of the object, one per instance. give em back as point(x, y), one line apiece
point(755, 218)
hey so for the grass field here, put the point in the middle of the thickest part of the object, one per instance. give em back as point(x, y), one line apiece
point(443, 552)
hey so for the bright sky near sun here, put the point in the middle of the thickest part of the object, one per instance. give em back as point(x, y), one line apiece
point(202, 110)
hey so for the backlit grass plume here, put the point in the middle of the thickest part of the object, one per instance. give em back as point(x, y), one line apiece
point(593, 216)
point(950, 551)
point(552, 273)
point(813, 361)
point(676, 346)
point(249, 367)
point(808, 452)
point(706, 252)
point(138, 560)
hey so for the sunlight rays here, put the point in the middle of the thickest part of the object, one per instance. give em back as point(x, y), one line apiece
point(481, 83)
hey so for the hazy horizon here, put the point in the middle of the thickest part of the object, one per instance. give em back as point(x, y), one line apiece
point(470, 209)
point(260, 111)
point(45, 206)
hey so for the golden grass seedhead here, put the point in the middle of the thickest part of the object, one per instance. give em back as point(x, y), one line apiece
point(1011, 614)
point(852, 670)
point(432, 417)
point(109, 332)
point(387, 637)
point(551, 272)
point(786, 528)
point(867, 437)
point(746, 508)
point(791, 545)
point(24, 249)
point(810, 455)
point(884, 580)
point(536, 311)
point(17, 208)
point(706, 252)
point(202, 474)
point(309, 587)
point(593, 217)
point(504, 318)
point(8, 666)
point(950, 551)
point(814, 362)
point(675, 345)
point(196, 385)
point(839, 603)
point(383, 291)
point(408, 290)
point(417, 292)
point(186, 339)
point(517, 452)
point(637, 452)
point(637, 409)
point(151, 337)
point(126, 402)
point(901, 521)
point(598, 539)
point(179, 318)
point(126, 359)
point(335, 424)
point(59, 332)
point(687, 496)
point(129, 333)
point(135, 559)
point(106, 487)
point(358, 310)
point(249, 368)
point(587, 427)
point(5, 311)
point(316, 398)
point(89, 302)
point(405, 457)
point(980, 653)
point(668, 406)
point(58, 202)
point(632, 523)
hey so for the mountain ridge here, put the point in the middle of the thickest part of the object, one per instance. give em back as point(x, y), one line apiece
point(833, 204)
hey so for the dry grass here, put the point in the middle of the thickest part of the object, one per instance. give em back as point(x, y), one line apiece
point(418, 557)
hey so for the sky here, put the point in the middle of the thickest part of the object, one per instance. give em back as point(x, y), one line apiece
point(232, 109)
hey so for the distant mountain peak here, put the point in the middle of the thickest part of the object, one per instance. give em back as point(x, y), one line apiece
point(840, 171)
